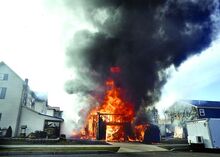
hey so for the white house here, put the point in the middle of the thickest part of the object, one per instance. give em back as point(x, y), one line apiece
point(21, 109)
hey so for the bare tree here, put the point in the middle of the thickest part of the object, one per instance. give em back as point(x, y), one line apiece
point(181, 112)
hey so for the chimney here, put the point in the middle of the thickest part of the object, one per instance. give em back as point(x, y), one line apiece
point(26, 81)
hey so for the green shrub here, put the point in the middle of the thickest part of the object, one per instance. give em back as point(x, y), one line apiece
point(40, 134)
point(8, 132)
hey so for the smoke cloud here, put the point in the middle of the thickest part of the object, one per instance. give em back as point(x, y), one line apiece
point(143, 37)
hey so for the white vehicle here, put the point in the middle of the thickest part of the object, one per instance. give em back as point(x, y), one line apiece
point(204, 133)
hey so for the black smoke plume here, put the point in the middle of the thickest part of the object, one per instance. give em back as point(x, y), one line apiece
point(143, 37)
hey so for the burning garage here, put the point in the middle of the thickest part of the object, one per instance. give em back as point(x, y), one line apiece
point(137, 41)
point(114, 118)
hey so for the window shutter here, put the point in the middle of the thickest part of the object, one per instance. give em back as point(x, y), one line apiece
point(2, 92)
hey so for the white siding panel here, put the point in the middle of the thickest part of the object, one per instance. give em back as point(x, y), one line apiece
point(9, 106)
point(33, 120)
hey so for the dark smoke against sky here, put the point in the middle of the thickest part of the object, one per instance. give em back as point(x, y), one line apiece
point(143, 37)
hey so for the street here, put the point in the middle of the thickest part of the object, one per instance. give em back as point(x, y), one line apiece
point(133, 154)
point(126, 150)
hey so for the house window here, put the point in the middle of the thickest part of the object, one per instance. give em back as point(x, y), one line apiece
point(2, 92)
point(3, 77)
point(201, 112)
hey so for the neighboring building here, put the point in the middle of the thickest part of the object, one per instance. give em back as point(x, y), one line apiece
point(11, 94)
point(187, 110)
point(21, 109)
point(206, 109)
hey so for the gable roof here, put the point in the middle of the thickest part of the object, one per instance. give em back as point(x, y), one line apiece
point(205, 104)
point(3, 64)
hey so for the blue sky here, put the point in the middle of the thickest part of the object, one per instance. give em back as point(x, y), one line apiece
point(198, 78)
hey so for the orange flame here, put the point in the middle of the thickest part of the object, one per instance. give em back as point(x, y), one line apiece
point(112, 114)
point(140, 130)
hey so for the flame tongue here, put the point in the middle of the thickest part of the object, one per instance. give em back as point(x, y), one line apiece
point(114, 104)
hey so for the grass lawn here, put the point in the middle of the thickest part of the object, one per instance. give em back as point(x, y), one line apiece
point(23, 141)
point(59, 149)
